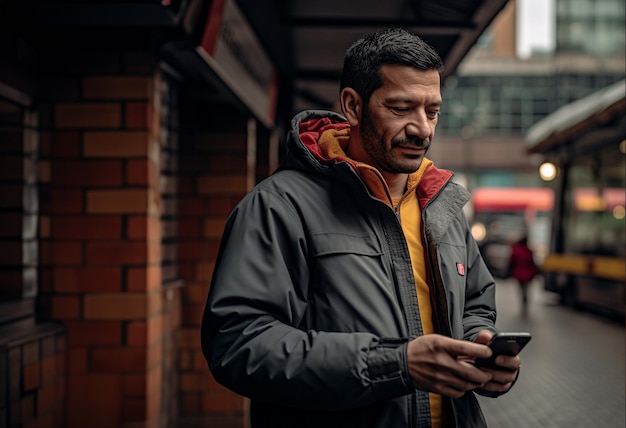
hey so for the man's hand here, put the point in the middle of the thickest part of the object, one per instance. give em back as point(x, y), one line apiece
point(501, 379)
point(444, 365)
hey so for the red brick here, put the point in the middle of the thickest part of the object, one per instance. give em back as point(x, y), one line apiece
point(81, 173)
point(116, 144)
point(222, 403)
point(137, 171)
point(142, 172)
point(94, 333)
point(45, 171)
point(65, 144)
point(191, 382)
point(137, 333)
point(77, 361)
point(88, 115)
point(117, 253)
point(119, 360)
point(192, 316)
point(141, 227)
point(155, 355)
point(66, 307)
point(138, 115)
point(144, 278)
point(117, 87)
point(187, 270)
point(134, 386)
point(94, 401)
point(88, 279)
point(44, 227)
point(66, 201)
point(122, 201)
point(186, 186)
point(64, 253)
point(193, 250)
point(134, 409)
point(190, 404)
point(116, 306)
point(87, 227)
point(189, 227)
point(217, 206)
point(194, 293)
point(190, 207)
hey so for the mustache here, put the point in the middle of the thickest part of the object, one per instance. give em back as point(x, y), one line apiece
point(412, 141)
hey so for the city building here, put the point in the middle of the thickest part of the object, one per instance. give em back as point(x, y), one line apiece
point(498, 95)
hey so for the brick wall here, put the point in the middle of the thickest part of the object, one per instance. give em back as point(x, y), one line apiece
point(214, 176)
point(100, 249)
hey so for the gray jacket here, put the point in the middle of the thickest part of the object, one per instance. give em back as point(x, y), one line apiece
point(313, 299)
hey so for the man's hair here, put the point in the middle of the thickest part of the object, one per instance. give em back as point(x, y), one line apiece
point(363, 60)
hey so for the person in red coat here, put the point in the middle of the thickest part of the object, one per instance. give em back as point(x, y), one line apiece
point(522, 267)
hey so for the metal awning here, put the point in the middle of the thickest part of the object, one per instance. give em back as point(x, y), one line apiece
point(582, 115)
point(305, 40)
point(312, 36)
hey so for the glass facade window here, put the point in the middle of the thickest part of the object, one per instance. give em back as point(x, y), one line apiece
point(593, 220)
point(590, 27)
point(510, 105)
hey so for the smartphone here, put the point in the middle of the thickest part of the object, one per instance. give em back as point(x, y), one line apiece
point(504, 344)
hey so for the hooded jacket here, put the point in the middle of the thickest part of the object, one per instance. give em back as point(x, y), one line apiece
point(313, 299)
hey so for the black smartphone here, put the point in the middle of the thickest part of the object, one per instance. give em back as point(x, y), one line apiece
point(504, 344)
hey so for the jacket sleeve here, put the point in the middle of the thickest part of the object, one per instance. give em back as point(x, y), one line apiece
point(480, 292)
point(253, 329)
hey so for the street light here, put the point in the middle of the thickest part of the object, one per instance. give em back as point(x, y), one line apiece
point(547, 171)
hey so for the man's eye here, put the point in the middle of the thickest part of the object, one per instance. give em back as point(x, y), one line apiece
point(400, 109)
point(432, 113)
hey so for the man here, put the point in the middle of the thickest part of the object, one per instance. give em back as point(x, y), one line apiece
point(348, 291)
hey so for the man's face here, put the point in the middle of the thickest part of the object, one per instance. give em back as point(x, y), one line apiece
point(398, 125)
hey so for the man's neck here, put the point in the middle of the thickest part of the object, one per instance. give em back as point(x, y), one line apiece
point(396, 183)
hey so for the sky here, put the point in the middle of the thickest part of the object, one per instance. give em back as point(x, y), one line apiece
point(535, 26)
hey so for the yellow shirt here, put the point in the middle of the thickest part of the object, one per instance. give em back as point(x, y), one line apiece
point(332, 143)
point(409, 209)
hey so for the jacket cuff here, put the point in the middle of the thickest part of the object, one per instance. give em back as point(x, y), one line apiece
point(387, 368)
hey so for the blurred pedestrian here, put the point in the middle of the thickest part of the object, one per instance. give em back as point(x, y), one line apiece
point(348, 290)
point(522, 268)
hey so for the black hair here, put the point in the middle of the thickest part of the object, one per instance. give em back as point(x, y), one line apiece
point(361, 66)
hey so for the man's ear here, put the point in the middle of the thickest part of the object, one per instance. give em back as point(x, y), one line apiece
point(351, 105)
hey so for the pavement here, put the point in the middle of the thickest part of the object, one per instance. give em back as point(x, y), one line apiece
point(573, 370)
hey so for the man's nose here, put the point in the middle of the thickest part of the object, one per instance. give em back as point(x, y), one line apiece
point(419, 126)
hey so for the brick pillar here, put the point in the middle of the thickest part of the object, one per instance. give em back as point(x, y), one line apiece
point(101, 261)
point(214, 176)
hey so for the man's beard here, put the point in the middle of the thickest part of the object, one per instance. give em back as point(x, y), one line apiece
point(374, 145)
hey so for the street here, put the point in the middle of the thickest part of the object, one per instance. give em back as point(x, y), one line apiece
point(573, 369)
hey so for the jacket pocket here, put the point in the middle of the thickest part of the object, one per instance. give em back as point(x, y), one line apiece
point(325, 244)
